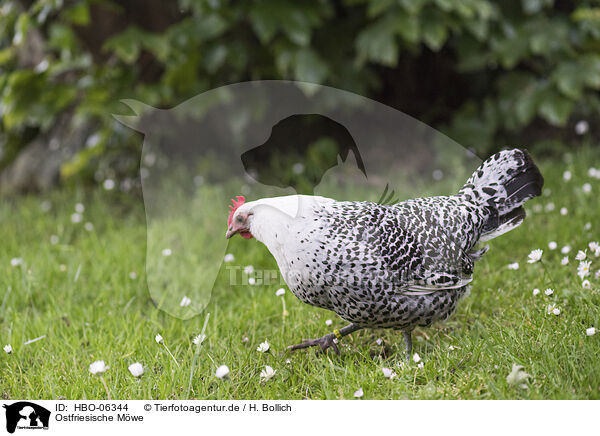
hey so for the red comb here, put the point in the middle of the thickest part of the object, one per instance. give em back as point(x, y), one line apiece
point(240, 200)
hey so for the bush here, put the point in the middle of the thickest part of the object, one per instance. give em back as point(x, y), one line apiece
point(487, 73)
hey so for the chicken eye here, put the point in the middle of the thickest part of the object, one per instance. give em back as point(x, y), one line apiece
point(239, 219)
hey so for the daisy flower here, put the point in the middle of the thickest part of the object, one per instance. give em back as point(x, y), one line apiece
point(8, 349)
point(16, 261)
point(581, 255)
point(185, 301)
point(536, 291)
point(587, 188)
point(222, 372)
point(567, 175)
point(552, 245)
point(548, 292)
point(229, 258)
point(359, 393)
point(248, 269)
point(583, 270)
point(550, 207)
point(263, 347)
point(388, 373)
point(535, 256)
point(513, 266)
point(267, 373)
point(136, 369)
point(565, 249)
point(586, 284)
point(565, 260)
point(280, 292)
point(416, 358)
point(328, 322)
point(98, 367)
point(167, 252)
point(591, 331)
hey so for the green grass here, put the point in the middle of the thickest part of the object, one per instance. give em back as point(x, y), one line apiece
point(93, 310)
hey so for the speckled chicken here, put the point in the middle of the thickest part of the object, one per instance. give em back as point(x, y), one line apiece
point(389, 266)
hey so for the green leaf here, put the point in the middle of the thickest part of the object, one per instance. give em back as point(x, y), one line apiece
point(310, 67)
point(434, 32)
point(555, 108)
point(377, 42)
point(78, 14)
point(127, 44)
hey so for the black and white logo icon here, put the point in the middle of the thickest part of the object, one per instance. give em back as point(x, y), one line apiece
point(26, 415)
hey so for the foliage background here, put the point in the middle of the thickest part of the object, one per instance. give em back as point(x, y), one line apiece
point(489, 74)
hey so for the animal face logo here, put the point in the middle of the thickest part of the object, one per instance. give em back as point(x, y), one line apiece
point(258, 140)
point(26, 415)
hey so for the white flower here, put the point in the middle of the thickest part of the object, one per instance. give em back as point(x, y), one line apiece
point(167, 252)
point(451, 347)
point(229, 258)
point(109, 184)
point(416, 358)
point(550, 207)
point(548, 291)
point(222, 371)
point(556, 311)
point(45, 206)
point(379, 341)
point(280, 292)
point(98, 367)
point(565, 260)
point(263, 347)
point(421, 365)
point(133, 275)
point(359, 393)
point(136, 369)
point(513, 266)
point(185, 301)
point(54, 239)
point(564, 211)
point(587, 188)
point(537, 208)
point(251, 281)
point(535, 255)
point(581, 255)
point(591, 331)
point(158, 338)
point(328, 322)
point(552, 245)
point(16, 261)
point(550, 308)
point(536, 291)
point(567, 175)
point(587, 226)
point(8, 349)
point(267, 373)
point(76, 218)
point(595, 247)
point(582, 127)
point(298, 168)
point(583, 270)
point(517, 377)
point(593, 172)
point(199, 339)
point(388, 373)
point(79, 208)
point(88, 226)
point(248, 269)
point(586, 284)
point(565, 249)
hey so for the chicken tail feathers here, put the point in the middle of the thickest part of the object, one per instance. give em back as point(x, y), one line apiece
point(502, 184)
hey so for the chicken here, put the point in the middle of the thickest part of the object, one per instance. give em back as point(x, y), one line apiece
point(389, 266)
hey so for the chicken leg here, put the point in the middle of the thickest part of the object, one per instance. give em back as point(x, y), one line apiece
point(327, 341)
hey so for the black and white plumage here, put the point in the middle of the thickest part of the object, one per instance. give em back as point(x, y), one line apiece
point(390, 266)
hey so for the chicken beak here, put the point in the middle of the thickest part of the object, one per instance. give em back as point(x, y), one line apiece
point(230, 232)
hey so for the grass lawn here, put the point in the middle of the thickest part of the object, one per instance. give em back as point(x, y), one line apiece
point(79, 292)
